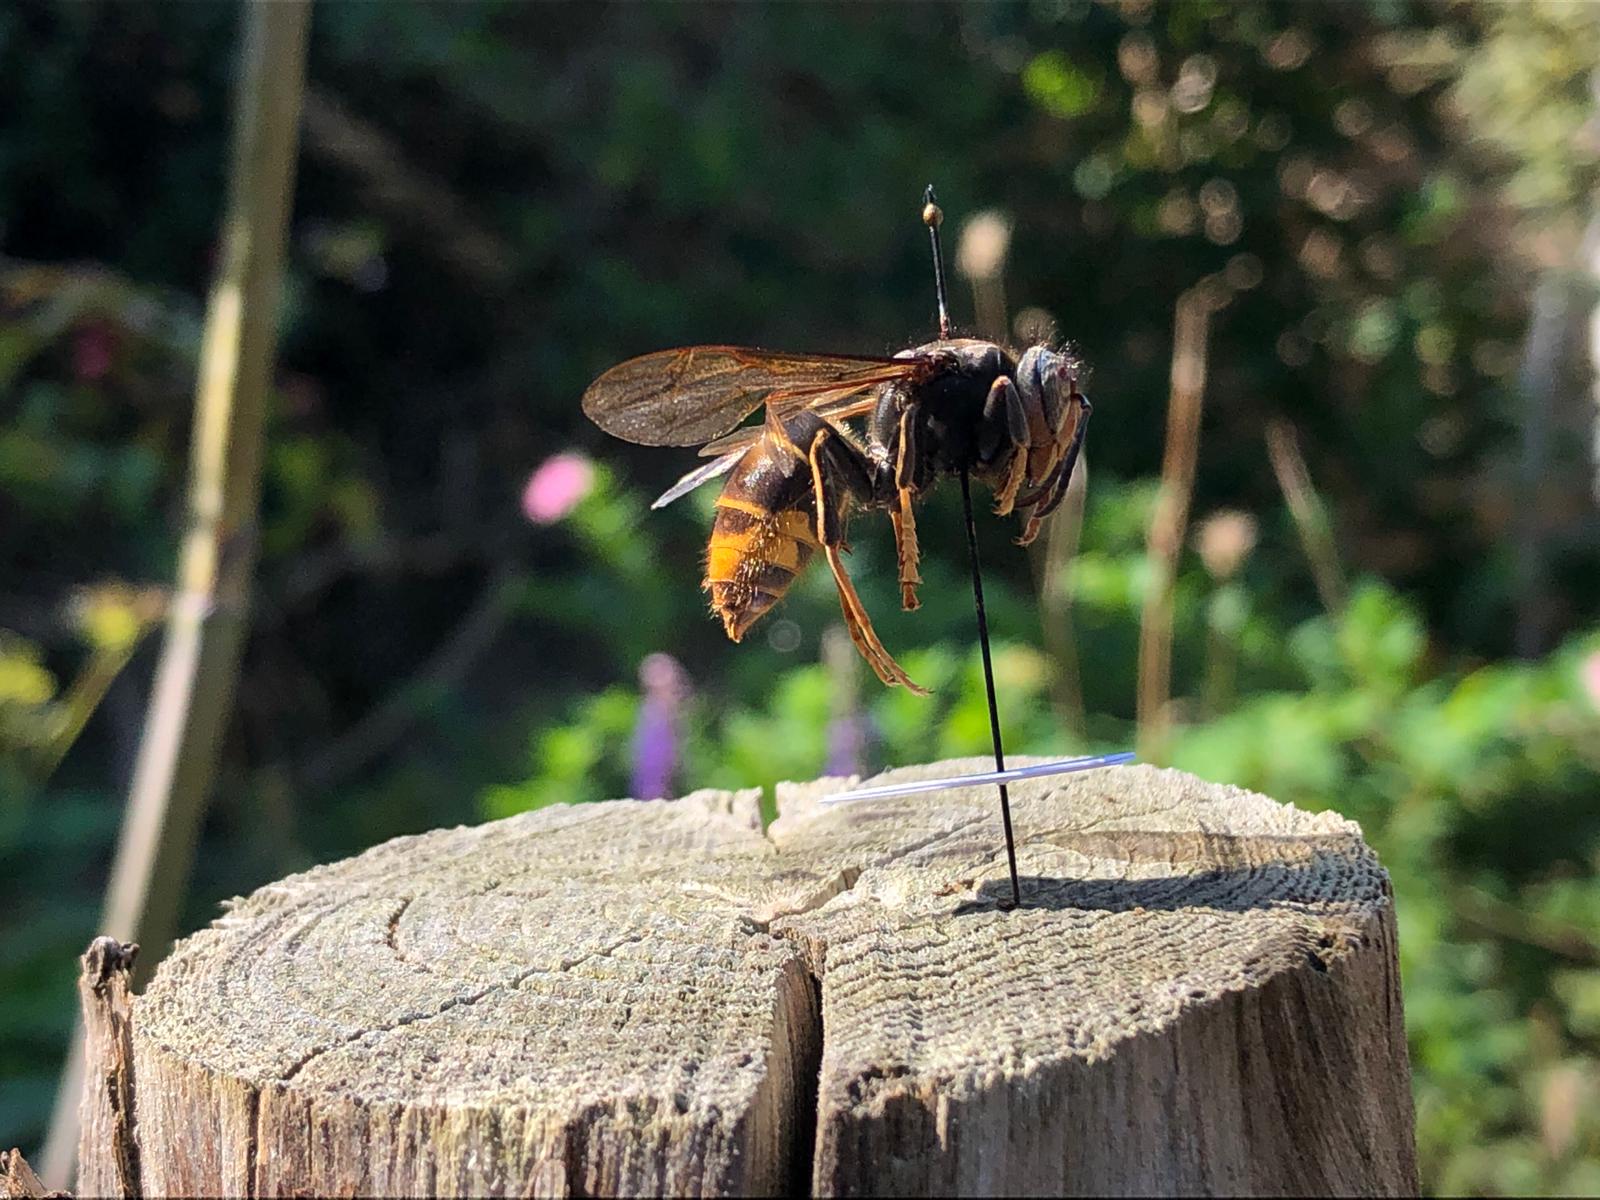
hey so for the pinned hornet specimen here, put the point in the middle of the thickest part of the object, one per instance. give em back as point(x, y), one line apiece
point(951, 406)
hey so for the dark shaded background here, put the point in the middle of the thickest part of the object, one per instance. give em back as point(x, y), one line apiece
point(1383, 203)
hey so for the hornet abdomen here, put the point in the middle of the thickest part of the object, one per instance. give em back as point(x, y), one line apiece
point(763, 534)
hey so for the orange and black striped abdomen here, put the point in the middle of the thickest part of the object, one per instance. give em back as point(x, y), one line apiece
point(763, 536)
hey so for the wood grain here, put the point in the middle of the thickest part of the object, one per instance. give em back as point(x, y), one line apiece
point(108, 1147)
point(18, 1182)
point(1199, 995)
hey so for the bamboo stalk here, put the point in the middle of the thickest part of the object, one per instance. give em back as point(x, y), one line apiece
point(1191, 323)
point(196, 676)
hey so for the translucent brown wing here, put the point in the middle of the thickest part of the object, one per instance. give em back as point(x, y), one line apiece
point(683, 397)
point(726, 451)
point(838, 408)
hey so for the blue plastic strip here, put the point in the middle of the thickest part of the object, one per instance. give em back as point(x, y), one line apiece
point(1063, 766)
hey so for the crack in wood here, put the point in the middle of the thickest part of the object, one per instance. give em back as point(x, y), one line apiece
point(453, 1002)
point(110, 1120)
point(252, 1146)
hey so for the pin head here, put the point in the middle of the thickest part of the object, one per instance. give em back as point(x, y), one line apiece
point(932, 215)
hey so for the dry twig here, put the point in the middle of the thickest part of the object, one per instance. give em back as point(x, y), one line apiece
point(1191, 325)
point(1310, 516)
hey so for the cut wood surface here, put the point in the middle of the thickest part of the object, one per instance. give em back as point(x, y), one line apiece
point(17, 1180)
point(107, 1146)
point(1199, 994)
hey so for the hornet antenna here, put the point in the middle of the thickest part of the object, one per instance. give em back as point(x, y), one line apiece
point(932, 217)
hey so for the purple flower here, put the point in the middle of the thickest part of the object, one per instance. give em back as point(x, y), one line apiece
point(556, 488)
point(847, 745)
point(850, 733)
point(656, 734)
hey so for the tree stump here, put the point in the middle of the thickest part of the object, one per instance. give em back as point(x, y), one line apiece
point(1199, 994)
point(18, 1182)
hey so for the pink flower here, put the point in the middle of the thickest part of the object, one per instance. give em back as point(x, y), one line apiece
point(93, 349)
point(1589, 676)
point(555, 489)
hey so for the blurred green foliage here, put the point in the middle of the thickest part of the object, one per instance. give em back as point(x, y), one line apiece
point(496, 201)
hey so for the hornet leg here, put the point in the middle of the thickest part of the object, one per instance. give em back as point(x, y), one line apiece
point(1054, 490)
point(907, 551)
point(1005, 403)
point(830, 532)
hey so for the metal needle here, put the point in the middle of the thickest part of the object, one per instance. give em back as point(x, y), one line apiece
point(988, 682)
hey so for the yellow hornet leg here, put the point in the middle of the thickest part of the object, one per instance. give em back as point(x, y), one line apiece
point(907, 551)
point(1054, 490)
point(855, 613)
point(1004, 402)
point(1006, 498)
point(906, 548)
point(862, 633)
